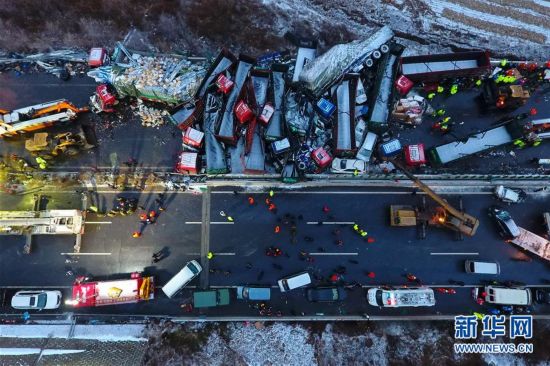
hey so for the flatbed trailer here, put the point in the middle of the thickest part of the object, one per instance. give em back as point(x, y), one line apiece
point(532, 243)
point(101, 293)
point(344, 128)
point(431, 68)
point(499, 135)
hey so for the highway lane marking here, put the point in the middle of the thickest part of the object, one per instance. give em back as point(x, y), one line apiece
point(212, 223)
point(76, 254)
point(325, 253)
point(223, 253)
point(98, 222)
point(454, 253)
point(331, 222)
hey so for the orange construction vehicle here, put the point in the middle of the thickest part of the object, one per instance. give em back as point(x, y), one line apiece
point(444, 215)
point(37, 117)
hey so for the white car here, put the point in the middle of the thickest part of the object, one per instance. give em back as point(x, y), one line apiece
point(348, 166)
point(510, 195)
point(36, 300)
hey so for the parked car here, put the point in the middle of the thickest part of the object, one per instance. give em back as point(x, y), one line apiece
point(36, 300)
point(542, 296)
point(401, 297)
point(294, 281)
point(207, 299)
point(481, 267)
point(348, 166)
point(507, 296)
point(182, 278)
point(510, 195)
point(367, 148)
point(508, 228)
point(326, 294)
point(254, 293)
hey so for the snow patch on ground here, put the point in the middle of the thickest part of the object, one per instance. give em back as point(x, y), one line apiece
point(107, 333)
point(35, 351)
point(346, 350)
point(438, 6)
point(277, 344)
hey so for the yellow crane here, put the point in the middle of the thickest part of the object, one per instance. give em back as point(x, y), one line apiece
point(445, 215)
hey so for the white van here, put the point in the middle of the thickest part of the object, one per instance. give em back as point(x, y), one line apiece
point(508, 296)
point(190, 271)
point(409, 296)
point(291, 282)
point(365, 152)
point(479, 267)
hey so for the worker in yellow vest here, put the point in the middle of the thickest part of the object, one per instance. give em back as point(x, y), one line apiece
point(42, 163)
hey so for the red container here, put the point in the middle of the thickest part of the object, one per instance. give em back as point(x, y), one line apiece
point(403, 85)
point(193, 138)
point(243, 112)
point(414, 155)
point(98, 57)
point(187, 163)
point(321, 157)
point(224, 84)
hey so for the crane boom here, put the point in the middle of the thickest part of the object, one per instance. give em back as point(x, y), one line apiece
point(466, 224)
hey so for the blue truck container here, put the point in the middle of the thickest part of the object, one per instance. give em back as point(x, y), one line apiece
point(326, 108)
point(391, 148)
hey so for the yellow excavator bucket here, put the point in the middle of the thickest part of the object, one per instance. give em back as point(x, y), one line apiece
point(38, 142)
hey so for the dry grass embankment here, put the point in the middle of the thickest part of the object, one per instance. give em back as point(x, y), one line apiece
point(199, 26)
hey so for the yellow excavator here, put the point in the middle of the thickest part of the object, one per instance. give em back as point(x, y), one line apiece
point(66, 144)
point(444, 215)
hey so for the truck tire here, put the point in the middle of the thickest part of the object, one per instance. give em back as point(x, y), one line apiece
point(64, 75)
point(369, 62)
point(377, 54)
point(384, 48)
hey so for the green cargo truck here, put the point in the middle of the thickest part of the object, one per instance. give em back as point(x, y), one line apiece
point(207, 299)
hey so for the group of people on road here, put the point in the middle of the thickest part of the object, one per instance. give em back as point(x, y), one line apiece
point(149, 217)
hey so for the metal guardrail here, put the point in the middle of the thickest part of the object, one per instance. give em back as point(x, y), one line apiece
point(141, 319)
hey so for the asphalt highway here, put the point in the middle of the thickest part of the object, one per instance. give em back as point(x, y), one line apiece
point(109, 251)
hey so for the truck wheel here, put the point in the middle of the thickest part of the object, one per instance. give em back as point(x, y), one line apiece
point(369, 62)
point(377, 54)
point(385, 48)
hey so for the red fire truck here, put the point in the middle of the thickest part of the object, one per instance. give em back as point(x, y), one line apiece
point(99, 293)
